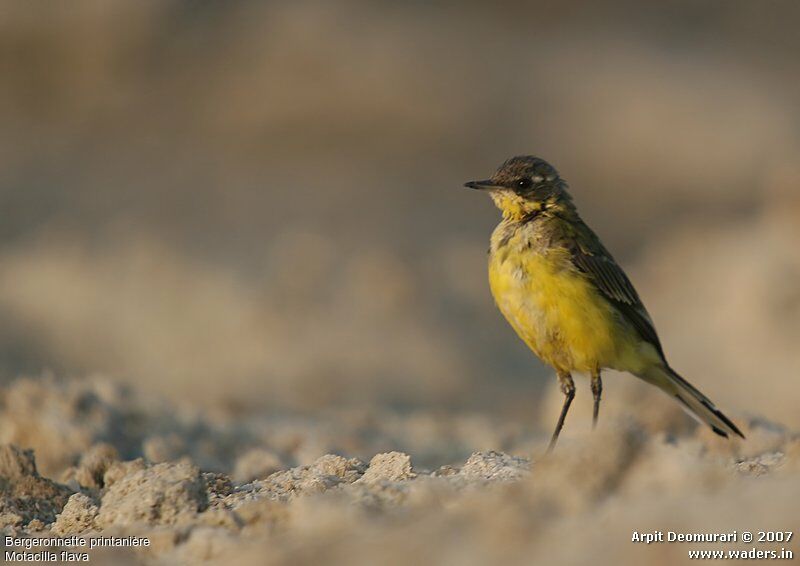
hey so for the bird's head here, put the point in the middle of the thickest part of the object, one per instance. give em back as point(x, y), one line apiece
point(524, 186)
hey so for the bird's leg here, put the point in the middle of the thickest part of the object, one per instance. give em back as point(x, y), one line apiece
point(568, 389)
point(597, 391)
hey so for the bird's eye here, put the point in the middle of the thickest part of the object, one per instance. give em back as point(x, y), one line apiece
point(524, 183)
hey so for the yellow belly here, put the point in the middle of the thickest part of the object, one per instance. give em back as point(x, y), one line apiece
point(559, 314)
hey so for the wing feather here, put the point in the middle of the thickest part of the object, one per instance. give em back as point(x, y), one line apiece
point(590, 257)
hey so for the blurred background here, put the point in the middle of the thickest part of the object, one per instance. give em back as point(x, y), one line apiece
point(259, 205)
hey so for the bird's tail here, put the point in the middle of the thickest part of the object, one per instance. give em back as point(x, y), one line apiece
point(693, 402)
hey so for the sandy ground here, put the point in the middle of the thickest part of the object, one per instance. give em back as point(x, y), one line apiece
point(239, 265)
point(295, 490)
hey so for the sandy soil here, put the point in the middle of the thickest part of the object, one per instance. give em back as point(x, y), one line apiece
point(236, 235)
point(291, 490)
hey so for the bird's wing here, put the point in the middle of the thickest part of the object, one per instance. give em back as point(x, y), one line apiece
point(591, 257)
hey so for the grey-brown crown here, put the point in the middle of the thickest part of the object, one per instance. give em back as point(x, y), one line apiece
point(524, 167)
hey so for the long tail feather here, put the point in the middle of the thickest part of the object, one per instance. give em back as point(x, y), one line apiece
point(695, 403)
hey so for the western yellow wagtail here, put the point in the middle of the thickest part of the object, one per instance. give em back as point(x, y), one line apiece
point(567, 298)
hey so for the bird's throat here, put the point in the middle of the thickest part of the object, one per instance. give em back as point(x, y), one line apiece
point(516, 208)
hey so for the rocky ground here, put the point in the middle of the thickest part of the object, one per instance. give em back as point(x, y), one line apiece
point(92, 459)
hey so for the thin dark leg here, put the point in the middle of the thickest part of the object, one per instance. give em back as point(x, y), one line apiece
point(568, 389)
point(597, 392)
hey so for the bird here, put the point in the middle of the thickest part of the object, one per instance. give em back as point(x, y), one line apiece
point(568, 299)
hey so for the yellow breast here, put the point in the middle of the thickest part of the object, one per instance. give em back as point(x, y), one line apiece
point(555, 309)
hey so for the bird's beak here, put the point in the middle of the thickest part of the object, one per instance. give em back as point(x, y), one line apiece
point(485, 185)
